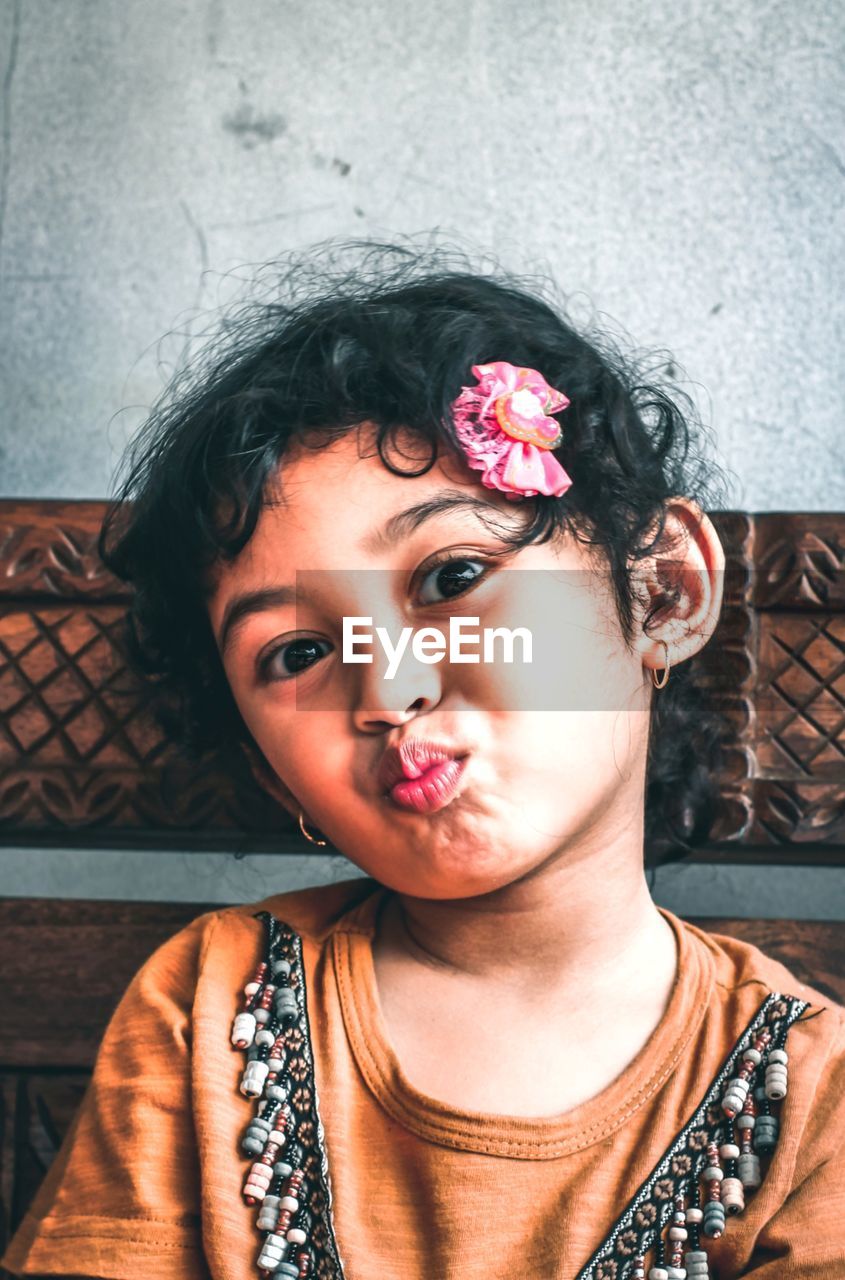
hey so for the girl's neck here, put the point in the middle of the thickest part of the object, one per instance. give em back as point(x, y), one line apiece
point(575, 961)
point(586, 921)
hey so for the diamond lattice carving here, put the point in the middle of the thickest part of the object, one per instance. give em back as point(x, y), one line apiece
point(801, 699)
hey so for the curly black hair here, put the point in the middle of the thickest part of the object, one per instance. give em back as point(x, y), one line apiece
point(390, 341)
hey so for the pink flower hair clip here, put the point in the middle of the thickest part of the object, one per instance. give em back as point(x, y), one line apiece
point(506, 432)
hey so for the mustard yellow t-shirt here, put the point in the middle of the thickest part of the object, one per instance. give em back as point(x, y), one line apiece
point(148, 1183)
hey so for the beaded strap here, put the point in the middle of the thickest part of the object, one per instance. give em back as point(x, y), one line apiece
point(289, 1178)
point(666, 1213)
point(719, 1148)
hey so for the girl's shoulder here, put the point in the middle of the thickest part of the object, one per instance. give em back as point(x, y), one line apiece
point(311, 913)
point(745, 978)
point(739, 964)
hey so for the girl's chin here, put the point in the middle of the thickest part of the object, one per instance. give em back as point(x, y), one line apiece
point(447, 882)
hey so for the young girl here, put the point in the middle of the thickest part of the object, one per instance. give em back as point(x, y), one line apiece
point(494, 1057)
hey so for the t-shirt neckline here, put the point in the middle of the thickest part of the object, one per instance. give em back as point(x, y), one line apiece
point(521, 1137)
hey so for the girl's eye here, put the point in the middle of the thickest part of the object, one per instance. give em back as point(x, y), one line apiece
point(297, 655)
point(454, 575)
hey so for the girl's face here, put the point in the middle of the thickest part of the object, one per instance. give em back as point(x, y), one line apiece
point(553, 752)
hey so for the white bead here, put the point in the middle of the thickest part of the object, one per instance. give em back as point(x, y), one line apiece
point(776, 1083)
point(778, 1055)
point(678, 1233)
point(297, 1236)
point(729, 1151)
point(243, 1030)
point(252, 989)
point(263, 1036)
point(732, 1104)
point(694, 1214)
point(254, 1078)
point(268, 1258)
point(289, 1202)
point(658, 1273)
point(752, 1055)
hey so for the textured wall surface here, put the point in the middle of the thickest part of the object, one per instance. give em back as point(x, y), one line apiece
point(679, 165)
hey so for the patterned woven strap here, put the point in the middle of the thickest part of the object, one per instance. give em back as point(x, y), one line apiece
point(640, 1225)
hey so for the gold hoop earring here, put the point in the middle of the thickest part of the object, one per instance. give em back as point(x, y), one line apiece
point(313, 839)
point(664, 680)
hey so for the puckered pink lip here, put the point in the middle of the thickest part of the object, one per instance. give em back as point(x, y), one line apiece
point(433, 789)
point(411, 759)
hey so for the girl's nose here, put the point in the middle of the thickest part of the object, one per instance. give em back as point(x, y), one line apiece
point(415, 687)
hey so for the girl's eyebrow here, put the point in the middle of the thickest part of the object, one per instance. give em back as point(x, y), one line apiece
point(400, 525)
point(245, 604)
point(405, 522)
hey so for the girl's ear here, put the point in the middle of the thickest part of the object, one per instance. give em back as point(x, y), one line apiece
point(686, 569)
point(269, 780)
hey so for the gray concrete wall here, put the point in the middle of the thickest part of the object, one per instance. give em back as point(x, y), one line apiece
point(741, 892)
point(678, 165)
